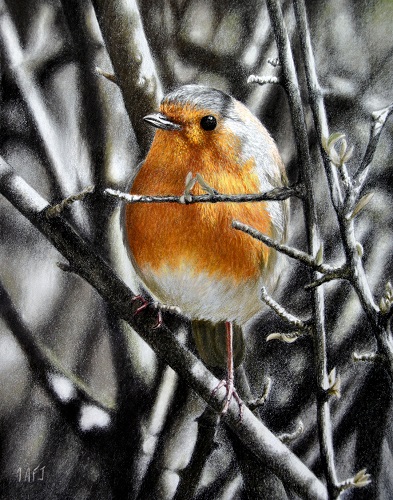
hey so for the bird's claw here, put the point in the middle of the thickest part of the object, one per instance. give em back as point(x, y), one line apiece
point(230, 393)
point(189, 185)
point(160, 307)
point(144, 305)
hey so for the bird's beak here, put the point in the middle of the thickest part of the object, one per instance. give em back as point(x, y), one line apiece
point(159, 120)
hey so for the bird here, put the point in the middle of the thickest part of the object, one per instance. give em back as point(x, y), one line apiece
point(188, 255)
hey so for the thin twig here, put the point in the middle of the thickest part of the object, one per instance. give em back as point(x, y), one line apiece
point(360, 480)
point(109, 76)
point(285, 249)
point(338, 273)
point(379, 119)
point(59, 208)
point(371, 357)
point(315, 96)
point(288, 317)
point(277, 194)
point(357, 275)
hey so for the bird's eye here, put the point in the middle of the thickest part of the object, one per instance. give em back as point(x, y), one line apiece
point(208, 122)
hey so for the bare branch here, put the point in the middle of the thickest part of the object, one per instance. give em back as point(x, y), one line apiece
point(338, 273)
point(379, 119)
point(285, 249)
point(109, 76)
point(315, 96)
point(356, 274)
point(59, 208)
point(133, 64)
point(371, 357)
point(289, 318)
point(290, 83)
point(358, 481)
point(277, 194)
point(47, 127)
point(205, 445)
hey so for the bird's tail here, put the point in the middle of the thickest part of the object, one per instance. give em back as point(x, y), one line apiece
point(210, 340)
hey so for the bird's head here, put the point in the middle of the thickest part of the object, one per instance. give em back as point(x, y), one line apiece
point(196, 114)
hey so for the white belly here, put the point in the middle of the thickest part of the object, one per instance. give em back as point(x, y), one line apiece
point(203, 296)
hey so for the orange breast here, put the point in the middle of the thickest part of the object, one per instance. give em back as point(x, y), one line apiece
point(197, 236)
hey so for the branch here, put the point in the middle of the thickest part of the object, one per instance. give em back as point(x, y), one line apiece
point(277, 194)
point(95, 270)
point(371, 357)
point(134, 67)
point(289, 318)
point(315, 95)
point(288, 437)
point(360, 480)
point(285, 249)
point(290, 83)
point(356, 274)
point(155, 422)
point(379, 119)
point(354, 265)
point(260, 401)
point(60, 207)
point(338, 273)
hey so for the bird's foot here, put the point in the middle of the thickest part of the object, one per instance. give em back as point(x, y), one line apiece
point(230, 393)
point(144, 305)
point(157, 305)
point(167, 307)
point(190, 183)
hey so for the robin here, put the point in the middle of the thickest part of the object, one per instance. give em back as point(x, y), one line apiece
point(188, 255)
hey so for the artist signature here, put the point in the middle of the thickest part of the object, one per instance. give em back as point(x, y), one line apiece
point(30, 474)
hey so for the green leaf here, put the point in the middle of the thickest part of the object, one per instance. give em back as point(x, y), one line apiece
point(334, 138)
point(361, 204)
point(319, 256)
point(283, 337)
point(359, 249)
point(348, 154)
point(332, 376)
point(334, 157)
point(361, 479)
